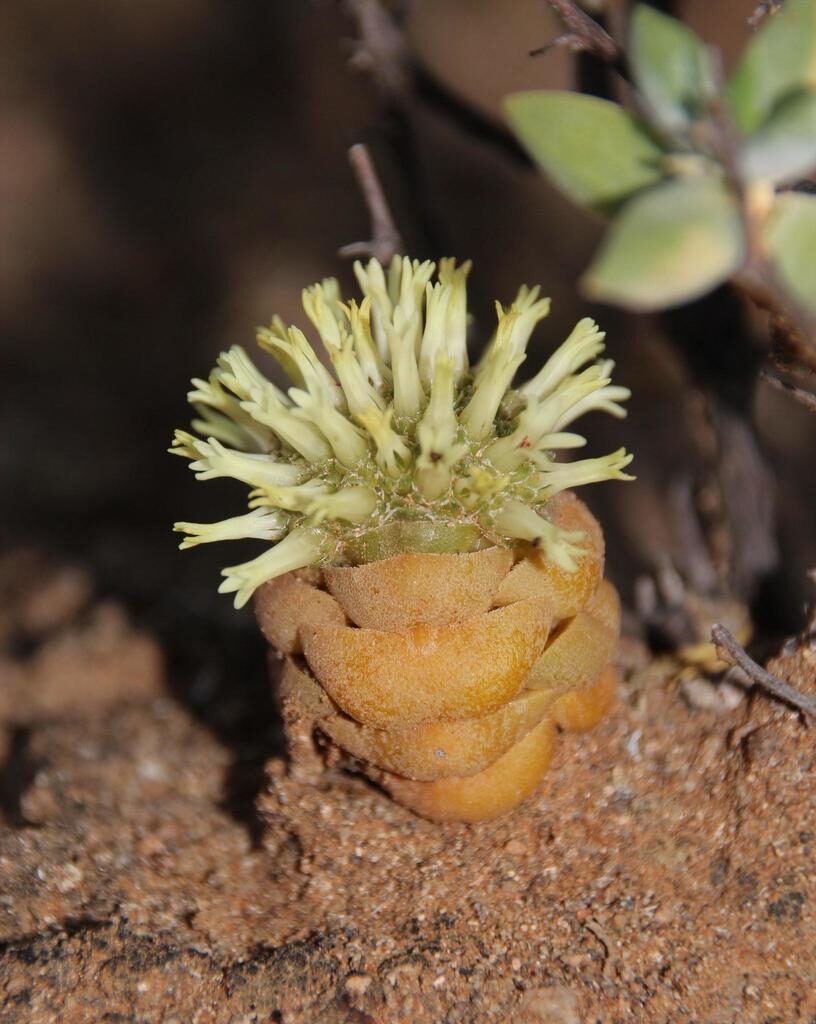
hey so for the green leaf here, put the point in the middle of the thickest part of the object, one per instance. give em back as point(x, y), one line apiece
point(592, 149)
point(791, 237)
point(671, 66)
point(784, 148)
point(671, 244)
point(780, 58)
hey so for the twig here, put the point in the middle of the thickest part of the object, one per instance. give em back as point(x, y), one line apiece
point(729, 650)
point(386, 241)
point(566, 41)
point(584, 34)
point(763, 10)
point(381, 49)
point(697, 564)
point(789, 350)
point(806, 398)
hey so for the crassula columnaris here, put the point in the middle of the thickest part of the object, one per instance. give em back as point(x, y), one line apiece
point(434, 584)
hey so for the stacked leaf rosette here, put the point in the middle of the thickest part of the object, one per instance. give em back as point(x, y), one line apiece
point(435, 586)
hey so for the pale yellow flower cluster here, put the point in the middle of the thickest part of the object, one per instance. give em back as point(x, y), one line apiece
point(407, 432)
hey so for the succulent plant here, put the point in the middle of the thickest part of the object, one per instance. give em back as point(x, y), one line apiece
point(694, 172)
point(435, 586)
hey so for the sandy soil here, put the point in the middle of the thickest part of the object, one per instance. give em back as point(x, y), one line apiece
point(663, 873)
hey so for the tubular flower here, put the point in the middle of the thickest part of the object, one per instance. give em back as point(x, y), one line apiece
point(435, 587)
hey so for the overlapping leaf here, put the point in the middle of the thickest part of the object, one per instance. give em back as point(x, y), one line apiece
point(594, 150)
point(669, 245)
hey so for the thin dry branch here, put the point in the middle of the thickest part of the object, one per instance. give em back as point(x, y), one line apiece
point(583, 35)
point(381, 49)
point(789, 349)
point(763, 10)
point(386, 241)
point(732, 652)
point(806, 398)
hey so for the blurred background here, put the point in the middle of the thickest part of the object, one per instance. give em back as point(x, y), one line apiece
point(173, 173)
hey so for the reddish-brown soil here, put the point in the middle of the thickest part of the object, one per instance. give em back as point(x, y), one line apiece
point(663, 873)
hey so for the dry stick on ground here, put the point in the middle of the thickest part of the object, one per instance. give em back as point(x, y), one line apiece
point(386, 241)
point(729, 650)
point(806, 398)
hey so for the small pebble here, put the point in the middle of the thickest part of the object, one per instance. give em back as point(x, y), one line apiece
point(358, 984)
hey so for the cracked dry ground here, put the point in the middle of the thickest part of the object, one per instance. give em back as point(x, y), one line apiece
point(664, 872)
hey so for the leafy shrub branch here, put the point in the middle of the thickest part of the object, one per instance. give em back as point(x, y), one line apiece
point(697, 178)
